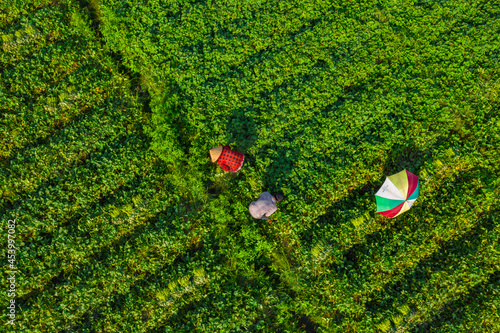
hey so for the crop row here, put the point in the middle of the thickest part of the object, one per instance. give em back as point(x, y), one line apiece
point(33, 76)
point(476, 310)
point(64, 195)
point(113, 271)
point(153, 301)
point(84, 89)
point(13, 10)
point(350, 286)
point(41, 49)
point(102, 226)
point(214, 301)
point(380, 265)
point(458, 270)
point(82, 136)
point(350, 220)
point(394, 291)
point(77, 237)
point(35, 33)
point(239, 307)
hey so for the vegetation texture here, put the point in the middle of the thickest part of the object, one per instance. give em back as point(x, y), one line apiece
point(109, 109)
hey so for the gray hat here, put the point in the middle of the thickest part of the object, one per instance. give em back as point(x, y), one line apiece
point(278, 196)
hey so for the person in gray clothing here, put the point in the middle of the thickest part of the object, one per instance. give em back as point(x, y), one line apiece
point(265, 205)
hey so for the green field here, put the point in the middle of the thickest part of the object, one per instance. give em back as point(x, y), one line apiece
point(109, 109)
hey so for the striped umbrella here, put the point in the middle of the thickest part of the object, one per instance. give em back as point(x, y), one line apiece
point(397, 194)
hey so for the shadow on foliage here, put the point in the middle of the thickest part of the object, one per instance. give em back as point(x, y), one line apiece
point(241, 129)
point(282, 165)
point(212, 189)
point(405, 156)
point(338, 211)
point(307, 324)
point(91, 8)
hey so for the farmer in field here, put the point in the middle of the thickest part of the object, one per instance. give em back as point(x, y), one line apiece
point(229, 160)
point(265, 205)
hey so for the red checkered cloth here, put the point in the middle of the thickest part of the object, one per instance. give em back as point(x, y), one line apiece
point(230, 160)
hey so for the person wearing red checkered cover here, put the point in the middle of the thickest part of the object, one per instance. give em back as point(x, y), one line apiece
point(229, 160)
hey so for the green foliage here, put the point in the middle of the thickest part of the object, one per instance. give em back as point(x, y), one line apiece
point(116, 230)
point(315, 112)
point(10, 11)
point(326, 108)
